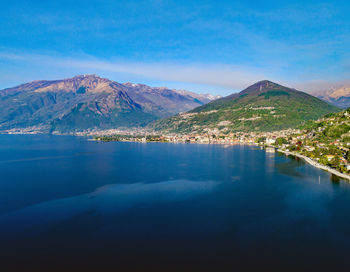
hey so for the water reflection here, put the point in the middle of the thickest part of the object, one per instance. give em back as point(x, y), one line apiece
point(335, 179)
point(108, 200)
point(269, 160)
point(289, 168)
point(216, 208)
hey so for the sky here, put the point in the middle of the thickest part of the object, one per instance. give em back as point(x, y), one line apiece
point(216, 47)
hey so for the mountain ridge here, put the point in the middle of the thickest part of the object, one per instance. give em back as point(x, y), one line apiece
point(89, 102)
point(338, 95)
point(262, 106)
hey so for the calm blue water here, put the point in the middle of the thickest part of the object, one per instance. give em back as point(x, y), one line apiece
point(69, 204)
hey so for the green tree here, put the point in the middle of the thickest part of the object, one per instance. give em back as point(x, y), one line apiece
point(261, 139)
point(335, 162)
point(281, 141)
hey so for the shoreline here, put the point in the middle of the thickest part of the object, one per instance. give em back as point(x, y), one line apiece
point(307, 159)
point(316, 164)
point(288, 153)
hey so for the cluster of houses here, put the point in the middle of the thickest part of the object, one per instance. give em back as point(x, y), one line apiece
point(215, 137)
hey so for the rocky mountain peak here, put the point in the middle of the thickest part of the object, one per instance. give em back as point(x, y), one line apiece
point(89, 102)
point(341, 92)
point(80, 83)
point(260, 86)
point(88, 77)
point(336, 95)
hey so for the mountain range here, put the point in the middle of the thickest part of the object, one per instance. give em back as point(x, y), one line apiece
point(338, 96)
point(88, 102)
point(264, 106)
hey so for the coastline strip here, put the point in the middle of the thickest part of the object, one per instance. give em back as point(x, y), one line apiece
point(316, 164)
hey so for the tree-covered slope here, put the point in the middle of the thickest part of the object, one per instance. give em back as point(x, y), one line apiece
point(326, 141)
point(264, 106)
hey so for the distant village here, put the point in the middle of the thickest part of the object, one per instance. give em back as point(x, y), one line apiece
point(209, 138)
point(332, 154)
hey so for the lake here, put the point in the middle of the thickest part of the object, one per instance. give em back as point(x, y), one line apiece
point(70, 204)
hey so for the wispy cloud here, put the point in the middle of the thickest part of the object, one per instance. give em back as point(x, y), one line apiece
point(311, 13)
point(216, 78)
point(227, 76)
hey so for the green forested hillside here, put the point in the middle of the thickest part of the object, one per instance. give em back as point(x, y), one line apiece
point(264, 106)
point(326, 141)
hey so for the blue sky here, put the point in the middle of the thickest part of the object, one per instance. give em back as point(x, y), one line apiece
point(203, 46)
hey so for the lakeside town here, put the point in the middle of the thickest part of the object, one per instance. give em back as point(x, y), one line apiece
point(334, 156)
point(324, 143)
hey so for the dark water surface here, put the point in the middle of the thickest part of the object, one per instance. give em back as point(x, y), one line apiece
point(68, 204)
